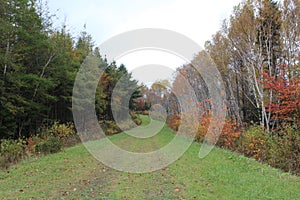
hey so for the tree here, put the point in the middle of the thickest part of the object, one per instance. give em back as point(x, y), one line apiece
point(116, 86)
point(27, 54)
point(286, 106)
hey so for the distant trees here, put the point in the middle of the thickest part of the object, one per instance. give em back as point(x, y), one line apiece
point(117, 86)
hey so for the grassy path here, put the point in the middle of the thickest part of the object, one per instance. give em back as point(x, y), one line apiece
point(75, 174)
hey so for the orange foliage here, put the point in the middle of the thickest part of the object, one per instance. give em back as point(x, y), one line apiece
point(286, 104)
point(229, 134)
point(31, 144)
point(174, 121)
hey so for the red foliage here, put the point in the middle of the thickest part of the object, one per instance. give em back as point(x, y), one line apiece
point(140, 103)
point(286, 90)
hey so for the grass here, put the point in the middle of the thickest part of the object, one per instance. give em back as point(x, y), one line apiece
point(75, 174)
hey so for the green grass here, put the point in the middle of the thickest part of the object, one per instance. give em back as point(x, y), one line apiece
point(75, 174)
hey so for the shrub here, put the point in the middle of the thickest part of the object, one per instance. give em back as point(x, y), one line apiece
point(284, 150)
point(110, 127)
point(280, 149)
point(145, 112)
point(158, 113)
point(137, 121)
point(136, 118)
point(253, 143)
point(174, 122)
point(31, 145)
point(230, 134)
point(65, 133)
point(202, 128)
point(52, 145)
point(11, 151)
point(62, 130)
point(71, 140)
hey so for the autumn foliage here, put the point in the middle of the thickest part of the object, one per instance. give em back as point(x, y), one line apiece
point(229, 134)
point(286, 104)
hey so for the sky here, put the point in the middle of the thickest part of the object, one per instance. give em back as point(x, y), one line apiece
point(196, 19)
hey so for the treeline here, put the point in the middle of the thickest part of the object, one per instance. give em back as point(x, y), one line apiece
point(38, 69)
point(257, 52)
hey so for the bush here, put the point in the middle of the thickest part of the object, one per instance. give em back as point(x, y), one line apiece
point(253, 143)
point(50, 140)
point(284, 150)
point(11, 151)
point(65, 133)
point(280, 149)
point(62, 130)
point(71, 140)
point(144, 112)
point(136, 119)
point(52, 145)
point(174, 121)
point(110, 127)
point(229, 134)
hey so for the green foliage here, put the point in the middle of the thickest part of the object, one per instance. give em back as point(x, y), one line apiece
point(284, 149)
point(136, 118)
point(65, 133)
point(116, 79)
point(11, 151)
point(62, 130)
point(280, 149)
point(50, 140)
point(39, 65)
point(110, 127)
point(51, 145)
point(253, 143)
point(137, 121)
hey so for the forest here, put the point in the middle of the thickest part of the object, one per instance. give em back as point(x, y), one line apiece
point(256, 50)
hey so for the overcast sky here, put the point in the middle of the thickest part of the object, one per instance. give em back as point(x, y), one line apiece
point(196, 19)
